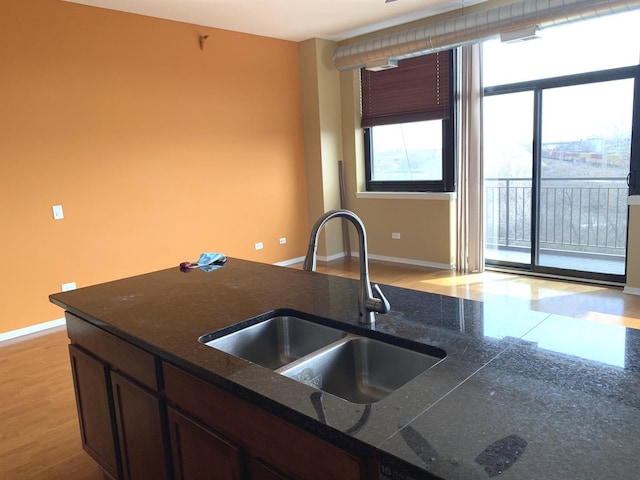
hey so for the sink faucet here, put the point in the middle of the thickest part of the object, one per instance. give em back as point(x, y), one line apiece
point(368, 305)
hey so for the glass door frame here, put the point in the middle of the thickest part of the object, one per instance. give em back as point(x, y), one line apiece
point(537, 87)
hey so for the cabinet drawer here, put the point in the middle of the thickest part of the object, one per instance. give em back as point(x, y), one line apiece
point(119, 354)
point(291, 450)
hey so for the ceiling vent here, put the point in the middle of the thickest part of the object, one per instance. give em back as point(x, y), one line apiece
point(512, 36)
point(380, 65)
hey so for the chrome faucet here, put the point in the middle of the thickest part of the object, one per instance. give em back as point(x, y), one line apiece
point(368, 305)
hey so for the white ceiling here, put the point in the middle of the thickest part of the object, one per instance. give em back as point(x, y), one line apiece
point(294, 20)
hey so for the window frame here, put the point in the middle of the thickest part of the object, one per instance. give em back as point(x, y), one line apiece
point(537, 87)
point(448, 182)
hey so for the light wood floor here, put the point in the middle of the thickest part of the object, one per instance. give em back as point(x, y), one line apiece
point(573, 299)
point(39, 434)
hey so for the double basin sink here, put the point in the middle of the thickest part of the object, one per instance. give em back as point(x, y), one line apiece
point(354, 367)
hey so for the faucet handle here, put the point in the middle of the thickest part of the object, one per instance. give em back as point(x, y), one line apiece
point(378, 305)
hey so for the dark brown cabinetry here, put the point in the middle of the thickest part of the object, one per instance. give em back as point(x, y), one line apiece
point(257, 470)
point(141, 418)
point(122, 419)
point(93, 399)
point(200, 454)
point(275, 449)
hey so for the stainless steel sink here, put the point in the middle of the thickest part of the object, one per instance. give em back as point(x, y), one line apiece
point(356, 368)
point(360, 370)
point(277, 341)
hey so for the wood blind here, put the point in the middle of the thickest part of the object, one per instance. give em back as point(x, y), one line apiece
point(417, 90)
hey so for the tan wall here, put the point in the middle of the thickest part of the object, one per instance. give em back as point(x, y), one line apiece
point(156, 149)
point(633, 250)
point(332, 132)
point(426, 229)
point(323, 137)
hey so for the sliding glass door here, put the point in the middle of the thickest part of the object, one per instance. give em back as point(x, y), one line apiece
point(558, 123)
point(586, 149)
point(508, 150)
point(556, 162)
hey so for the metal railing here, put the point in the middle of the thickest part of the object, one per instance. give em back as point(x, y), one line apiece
point(586, 215)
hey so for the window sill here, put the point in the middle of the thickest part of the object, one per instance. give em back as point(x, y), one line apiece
point(633, 200)
point(448, 196)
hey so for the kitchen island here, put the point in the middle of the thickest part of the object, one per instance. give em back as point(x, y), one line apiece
point(520, 394)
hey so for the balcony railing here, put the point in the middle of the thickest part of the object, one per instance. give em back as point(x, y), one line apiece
point(586, 215)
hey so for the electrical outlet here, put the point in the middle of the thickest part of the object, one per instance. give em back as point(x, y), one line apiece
point(283, 240)
point(395, 236)
point(259, 246)
point(58, 214)
point(68, 286)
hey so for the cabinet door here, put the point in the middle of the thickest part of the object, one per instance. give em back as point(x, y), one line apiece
point(141, 432)
point(199, 453)
point(93, 400)
point(258, 470)
point(291, 450)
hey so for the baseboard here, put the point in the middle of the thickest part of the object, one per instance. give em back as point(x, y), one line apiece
point(409, 261)
point(382, 258)
point(288, 263)
point(330, 258)
point(31, 329)
point(319, 258)
point(631, 290)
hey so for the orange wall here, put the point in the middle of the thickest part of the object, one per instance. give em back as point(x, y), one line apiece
point(157, 150)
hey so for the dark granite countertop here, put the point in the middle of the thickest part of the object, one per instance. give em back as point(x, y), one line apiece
point(521, 394)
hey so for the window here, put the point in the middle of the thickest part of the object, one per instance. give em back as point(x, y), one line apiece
point(560, 132)
point(598, 44)
point(408, 121)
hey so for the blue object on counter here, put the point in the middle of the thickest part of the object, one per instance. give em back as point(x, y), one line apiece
point(209, 258)
point(207, 262)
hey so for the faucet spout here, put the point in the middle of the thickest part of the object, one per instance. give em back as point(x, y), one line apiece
point(368, 305)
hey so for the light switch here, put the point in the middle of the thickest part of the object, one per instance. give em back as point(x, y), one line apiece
point(58, 214)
